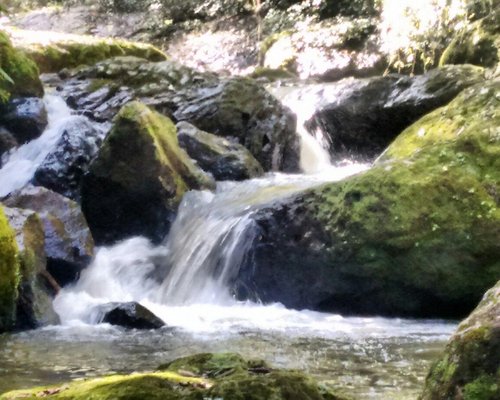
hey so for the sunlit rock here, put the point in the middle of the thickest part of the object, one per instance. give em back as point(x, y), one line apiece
point(416, 235)
point(470, 365)
point(69, 246)
point(138, 178)
point(224, 158)
point(36, 286)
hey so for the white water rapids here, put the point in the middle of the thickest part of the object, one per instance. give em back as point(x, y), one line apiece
point(201, 255)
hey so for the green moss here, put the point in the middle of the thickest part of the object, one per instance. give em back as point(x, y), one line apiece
point(230, 377)
point(70, 51)
point(483, 388)
point(9, 274)
point(19, 74)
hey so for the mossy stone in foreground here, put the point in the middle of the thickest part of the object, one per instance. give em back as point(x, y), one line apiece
point(470, 366)
point(18, 73)
point(199, 377)
point(9, 274)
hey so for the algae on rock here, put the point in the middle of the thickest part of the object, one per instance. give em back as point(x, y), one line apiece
point(136, 182)
point(9, 274)
point(470, 366)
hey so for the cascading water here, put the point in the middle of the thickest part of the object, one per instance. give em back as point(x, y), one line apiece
point(185, 282)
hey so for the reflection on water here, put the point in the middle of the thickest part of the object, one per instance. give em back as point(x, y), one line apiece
point(385, 364)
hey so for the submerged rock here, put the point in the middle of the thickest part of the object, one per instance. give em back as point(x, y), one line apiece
point(36, 286)
point(364, 116)
point(25, 117)
point(9, 274)
point(224, 158)
point(69, 246)
point(417, 235)
point(470, 365)
point(202, 376)
point(136, 182)
point(63, 168)
point(130, 315)
point(234, 107)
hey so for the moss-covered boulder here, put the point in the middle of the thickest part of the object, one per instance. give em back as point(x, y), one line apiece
point(36, 288)
point(478, 43)
point(470, 366)
point(224, 158)
point(235, 107)
point(18, 73)
point(136, 182)
point(198, 377)
point(54, 51)
point(69, 246)
point(9, 274)
point(416, 235)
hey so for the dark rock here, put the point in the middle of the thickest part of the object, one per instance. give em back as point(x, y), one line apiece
point(34, 302)
point(130, 315)
point(469, 367)
point(234, 107)
point(69, 245)
point(26, 118)
point(417, 235)
point(366, 115)
point(7, 142)
point(224, 158)
point(136, 182)
point(63, 168)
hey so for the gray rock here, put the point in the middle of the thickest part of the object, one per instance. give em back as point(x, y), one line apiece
point(130, 315)
point(224, 158)
point(69, 246)
point(25, 117)
point(7, 142)
point(63, 168)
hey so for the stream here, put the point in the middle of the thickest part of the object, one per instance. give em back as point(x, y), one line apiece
point(185, 282)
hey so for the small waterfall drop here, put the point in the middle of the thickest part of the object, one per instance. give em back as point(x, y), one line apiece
point(20, 165)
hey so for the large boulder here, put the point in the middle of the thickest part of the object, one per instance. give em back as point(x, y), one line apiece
point(26, 118)
point(224, 158)
point(18, 73)
point(364, 116)
point(470, 365)
point(36, 286)
point(417, 235)
point(57, 50)
point(235, 107)
point(9, 274)
point(136, 182)
point(69, 246)
point(130, 315)
point(63, 168)
point(201, 376)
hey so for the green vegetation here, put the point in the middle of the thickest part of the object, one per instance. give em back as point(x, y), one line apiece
point(9, 274)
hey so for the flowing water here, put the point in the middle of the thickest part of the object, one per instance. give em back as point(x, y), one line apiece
point(186, 281)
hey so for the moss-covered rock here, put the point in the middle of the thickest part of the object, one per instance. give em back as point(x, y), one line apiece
point(138, 178)
point(18, 73)
point(470, 366)
point(9, 274)
point(202, 376)
point(417, 235)
point(34, 304)
point(54, 51)
point(477, 44)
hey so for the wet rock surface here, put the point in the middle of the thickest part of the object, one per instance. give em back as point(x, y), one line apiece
point(63, 168)
point(224, 158)
point(130, 315)
point(25, 118)
point(69, 245)
point(235, 107)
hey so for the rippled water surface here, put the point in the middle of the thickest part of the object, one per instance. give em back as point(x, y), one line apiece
point(370, 358)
